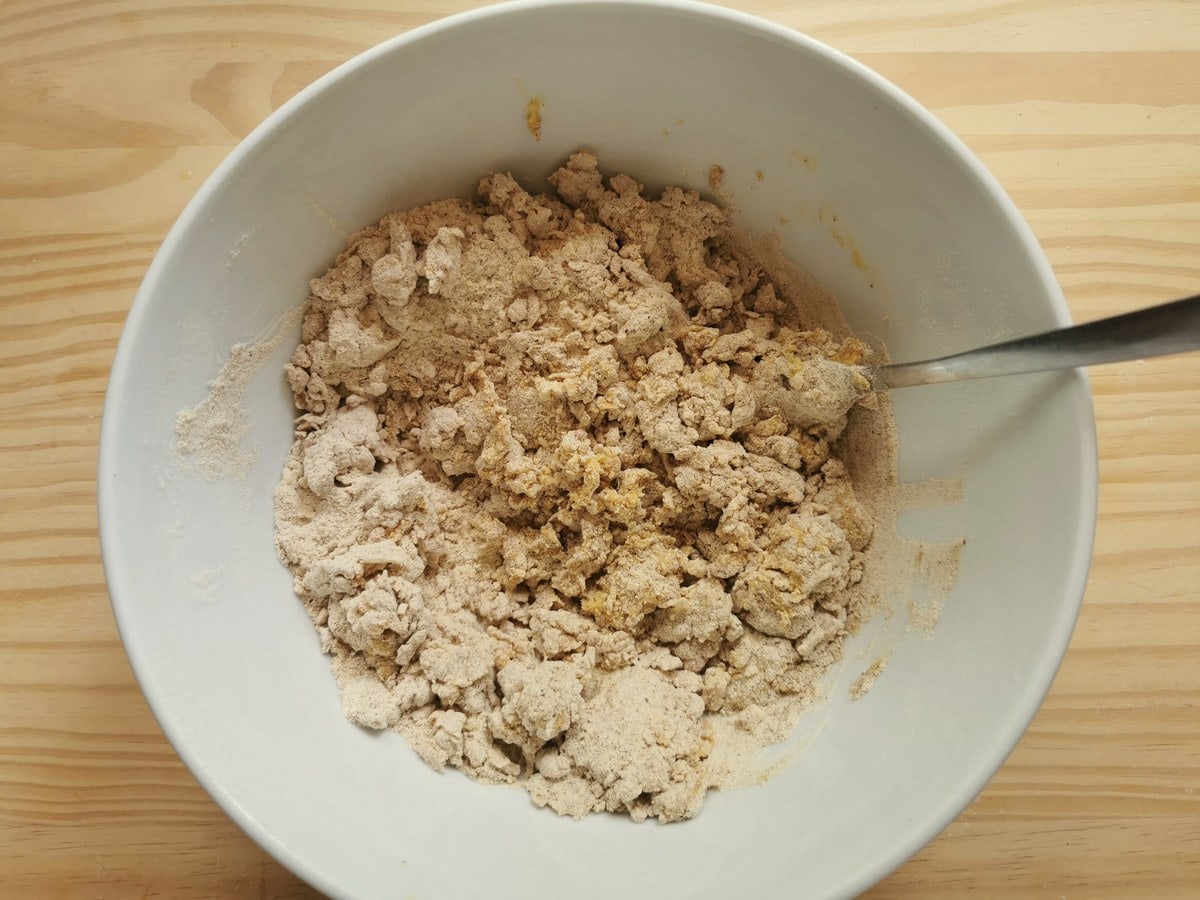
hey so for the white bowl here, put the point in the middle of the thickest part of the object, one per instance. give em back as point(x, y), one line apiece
point(228, 659)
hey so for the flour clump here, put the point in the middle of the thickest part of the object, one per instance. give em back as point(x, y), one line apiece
point(563, 502)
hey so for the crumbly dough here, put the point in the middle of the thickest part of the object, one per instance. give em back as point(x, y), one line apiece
point(562, 503)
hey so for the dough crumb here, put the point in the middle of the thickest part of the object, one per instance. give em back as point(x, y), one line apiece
point(533, 117)
point(564, 503)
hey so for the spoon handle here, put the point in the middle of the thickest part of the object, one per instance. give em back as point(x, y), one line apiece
point(1155, 331)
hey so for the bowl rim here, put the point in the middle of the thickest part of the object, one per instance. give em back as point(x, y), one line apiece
point(1059, 630)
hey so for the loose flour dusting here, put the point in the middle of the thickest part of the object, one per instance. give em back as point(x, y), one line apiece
point(563, 502)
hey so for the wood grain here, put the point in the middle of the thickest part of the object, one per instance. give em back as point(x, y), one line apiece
point(112, 113)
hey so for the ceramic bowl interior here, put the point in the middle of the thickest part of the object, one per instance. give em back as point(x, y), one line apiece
point(864, 189)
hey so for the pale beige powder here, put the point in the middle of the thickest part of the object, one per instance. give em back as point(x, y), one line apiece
point(210, 437)
point(551, 510)
point(865, 681)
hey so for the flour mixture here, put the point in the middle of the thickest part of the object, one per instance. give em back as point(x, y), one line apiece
point(563, 502)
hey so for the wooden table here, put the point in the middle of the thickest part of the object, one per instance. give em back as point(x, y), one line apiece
point(112, 113)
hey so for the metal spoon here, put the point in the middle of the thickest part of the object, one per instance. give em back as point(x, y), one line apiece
point(1156, 331)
